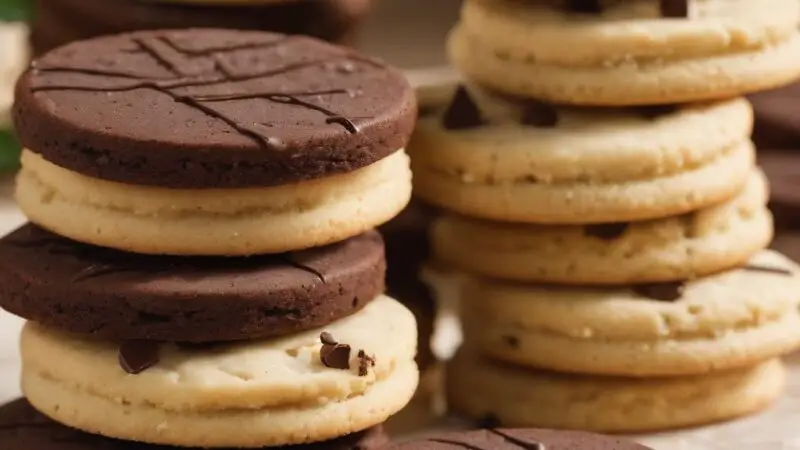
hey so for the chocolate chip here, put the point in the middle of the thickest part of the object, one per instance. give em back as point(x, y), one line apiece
point(665, 292)
point(463, 113)
point(775, 270)
point(136, 356)
point(606, 231)
point(327, 338)
point(675, 8)
point(585, 6)
point(511, 341)
point(489, 421)
point(365, 362)
point(656, 111)
point(335, 356)
point(539, 114)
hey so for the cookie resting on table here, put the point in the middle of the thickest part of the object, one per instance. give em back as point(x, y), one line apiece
point(637, 52)
point(725, 321)
point(212, 142)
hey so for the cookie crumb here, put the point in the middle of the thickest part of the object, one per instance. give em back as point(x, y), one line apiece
point(365, 361)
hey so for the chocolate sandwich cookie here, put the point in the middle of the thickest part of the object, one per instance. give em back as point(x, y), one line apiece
point(777, 118)
point(520, 439)
point(85, 289)
point(24, 428)
point(212, 142)
point(58, 22)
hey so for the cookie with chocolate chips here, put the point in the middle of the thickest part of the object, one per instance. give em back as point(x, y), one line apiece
point(114, 295)
point(519, 439)
point(728, 320)
point(24, 428)
point(212, 142)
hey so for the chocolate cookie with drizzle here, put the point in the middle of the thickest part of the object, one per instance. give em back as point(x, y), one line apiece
point(520, 439)
point(211, 108)
point(116, 295)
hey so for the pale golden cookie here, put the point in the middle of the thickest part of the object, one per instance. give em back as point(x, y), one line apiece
point(628, 54)
point(699, 243)
point(245, 221)
point(532, 398)
point(730, 320)
point(252, 394)
point(591, 166)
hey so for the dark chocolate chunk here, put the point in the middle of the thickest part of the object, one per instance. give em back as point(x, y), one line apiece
point(675, 8)
point(463, 113)
point(539, 114)
point(137, 355)
point(607, 231)
point(766, 269)
point(585, 6)
point(335, 355)
point(666, 292)
point(327, 338)
point(365, 362)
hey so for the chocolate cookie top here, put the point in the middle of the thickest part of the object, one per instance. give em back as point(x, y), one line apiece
point(24, 428)
point(206, 108)
point(116, 295)
point(521, 439)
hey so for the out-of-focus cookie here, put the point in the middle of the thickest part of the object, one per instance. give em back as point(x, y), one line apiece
point(734, 319)
point(313, 386)
point(683, 247)
point(518, 397)
point(513, 160)
point(212, 142)
point(630, 52)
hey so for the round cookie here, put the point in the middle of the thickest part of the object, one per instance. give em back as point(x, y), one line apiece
point(114, 295)
point(683, 247)
point(782, 170)
point(512, 160)
point(24, 428)
point(628, 53)
point(520, 439)
point(312, 386)
point(515, 396)
point(734, 319)
point(58, 22)
point(212, 142)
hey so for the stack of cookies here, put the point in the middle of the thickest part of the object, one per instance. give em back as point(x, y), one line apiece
point(201, 269)
point(57, 22)
point(607, 210)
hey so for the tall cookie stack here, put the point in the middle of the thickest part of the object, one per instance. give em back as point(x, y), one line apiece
point(201, 270)
point(606, 204)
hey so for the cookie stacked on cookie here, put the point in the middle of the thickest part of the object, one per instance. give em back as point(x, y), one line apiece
point(201, 269)
point(607, 210)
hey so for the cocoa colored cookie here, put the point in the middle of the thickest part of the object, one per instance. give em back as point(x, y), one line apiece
point(783, 172)
point(85, 289)
point(777, 118)
point(519, 439)
point(24, 428)
point(207, 108)
point(58, 22)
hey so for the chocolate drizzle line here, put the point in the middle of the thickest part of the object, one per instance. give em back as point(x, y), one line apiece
point(516, 441)
point(187, 74)
point(765, 269)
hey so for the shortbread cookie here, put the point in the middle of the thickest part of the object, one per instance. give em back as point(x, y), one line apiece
point(517, 439)
point(114, 295)
point(734, 319)
point(308, 387)
point(59, 22)
point(212, 142)
point(630, 52)
point(678, 248)
point(510, 160)
point(24, 428)
point(518, 397)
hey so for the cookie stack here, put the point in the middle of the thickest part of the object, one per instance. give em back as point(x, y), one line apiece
point(57, 22)
point(607, 208)
point(201, 269)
